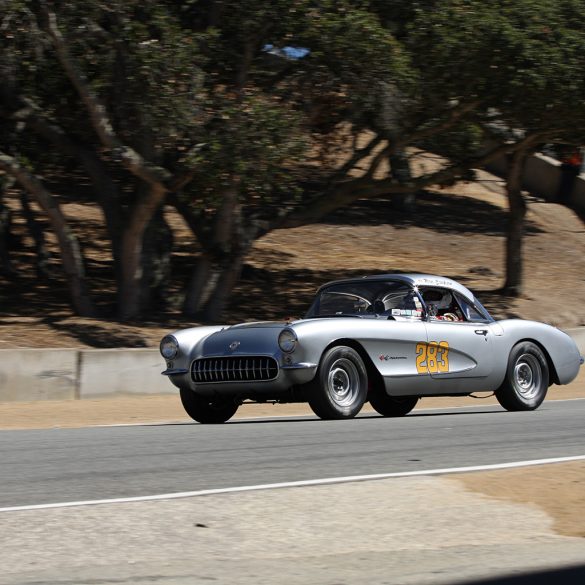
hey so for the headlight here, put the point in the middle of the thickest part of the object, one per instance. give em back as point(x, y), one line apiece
point(169, 347)
point(287, 340)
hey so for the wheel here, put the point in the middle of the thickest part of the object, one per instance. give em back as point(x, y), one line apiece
point(527, 378)
point(392, 405)
point(207, 410)
point(340, 387)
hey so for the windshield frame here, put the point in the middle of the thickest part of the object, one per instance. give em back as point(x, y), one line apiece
point(380, 284)
point(379, 288)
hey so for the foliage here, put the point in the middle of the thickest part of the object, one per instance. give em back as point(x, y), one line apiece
point(209, 97)
point(523, 58)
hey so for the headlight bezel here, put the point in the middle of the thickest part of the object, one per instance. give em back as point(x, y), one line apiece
point(169, 342)
point(287, 340)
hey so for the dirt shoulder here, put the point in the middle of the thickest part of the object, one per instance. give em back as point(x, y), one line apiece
point(557, 489)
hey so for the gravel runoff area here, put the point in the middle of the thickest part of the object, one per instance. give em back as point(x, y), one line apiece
point(403, 531)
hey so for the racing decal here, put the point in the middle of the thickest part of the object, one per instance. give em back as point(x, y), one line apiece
point(406, 312)
point(432, 357)
point(387, 358)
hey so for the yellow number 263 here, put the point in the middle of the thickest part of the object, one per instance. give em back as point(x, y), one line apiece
point(432, 357)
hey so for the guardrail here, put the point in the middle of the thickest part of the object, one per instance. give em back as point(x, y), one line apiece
point(77, 374)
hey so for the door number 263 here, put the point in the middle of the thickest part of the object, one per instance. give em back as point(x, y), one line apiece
point(432, 357)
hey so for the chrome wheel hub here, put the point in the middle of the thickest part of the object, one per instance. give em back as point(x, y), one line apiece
point(528, 376)
point(343, 382)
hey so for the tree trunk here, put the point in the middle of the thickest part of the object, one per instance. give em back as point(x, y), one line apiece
point(38, 236)
point(156, 262)
point(219, 253)
point(5, 238)
point(515, 231)
point(400, 170)
point(71, 256)
point(201, 284)
point(226, 280)
point(104, 185)
point(132, 248)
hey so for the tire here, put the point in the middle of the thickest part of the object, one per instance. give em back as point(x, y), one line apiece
point(527, 378)
point(207, 410)
point(392, 405)
point(340, 387)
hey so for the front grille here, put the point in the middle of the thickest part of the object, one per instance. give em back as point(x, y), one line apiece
point(234, 369)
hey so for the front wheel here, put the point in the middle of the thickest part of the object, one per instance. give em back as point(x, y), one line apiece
point(207, 410)
point(340, 387)
point(392, 405)
point(527, 378)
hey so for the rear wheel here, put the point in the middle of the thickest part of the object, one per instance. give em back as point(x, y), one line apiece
point(207, 410)
point(392, 405)
point(340, 387)
point(527, 378)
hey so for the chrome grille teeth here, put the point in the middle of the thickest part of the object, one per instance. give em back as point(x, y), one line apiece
point(234, 369)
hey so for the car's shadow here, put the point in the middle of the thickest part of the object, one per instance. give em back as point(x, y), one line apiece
point(314, 419)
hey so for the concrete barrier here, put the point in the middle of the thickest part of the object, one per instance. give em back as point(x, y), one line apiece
point(73, 374)
point(578, 194)
point(38, 374)
point(70, 374)
point(541, 175)
point(122, 371)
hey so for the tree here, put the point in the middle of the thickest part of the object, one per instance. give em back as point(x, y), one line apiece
point(70, 252)
point(523, 62)
point(117, 94)
point(352, 69)
point(249, 117)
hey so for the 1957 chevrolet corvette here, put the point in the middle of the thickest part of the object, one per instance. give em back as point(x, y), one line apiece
point(386, 339)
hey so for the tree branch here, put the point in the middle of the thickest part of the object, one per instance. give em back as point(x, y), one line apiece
point(105, 187)
point(366, 187)
point(358, 154)
point(454, 115)
point(70, 252)
point(100, 120)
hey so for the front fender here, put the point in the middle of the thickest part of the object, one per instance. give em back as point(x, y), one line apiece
point(177, 369)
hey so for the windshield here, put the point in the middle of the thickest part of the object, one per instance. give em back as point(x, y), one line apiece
point(364, 298)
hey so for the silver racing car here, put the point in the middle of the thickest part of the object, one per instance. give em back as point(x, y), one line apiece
point(386, 339)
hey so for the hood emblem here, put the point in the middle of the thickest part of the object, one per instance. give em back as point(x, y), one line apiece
point(234, 345)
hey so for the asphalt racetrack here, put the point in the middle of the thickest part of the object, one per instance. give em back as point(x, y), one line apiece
point(427, 529)
point(68, 465)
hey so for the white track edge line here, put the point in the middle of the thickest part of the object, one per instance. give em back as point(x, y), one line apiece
point(293, 484)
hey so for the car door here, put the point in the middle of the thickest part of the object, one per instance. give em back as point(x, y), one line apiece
point(392, 340)
point(393, 352)
point(458, 354)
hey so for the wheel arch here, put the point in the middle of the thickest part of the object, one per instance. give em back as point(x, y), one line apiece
point(374, 376)
point(553, 377)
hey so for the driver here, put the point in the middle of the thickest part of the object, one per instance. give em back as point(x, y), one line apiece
point(440, 304)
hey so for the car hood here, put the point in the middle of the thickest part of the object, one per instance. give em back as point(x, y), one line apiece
point(258, 325)
point(244, 339)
